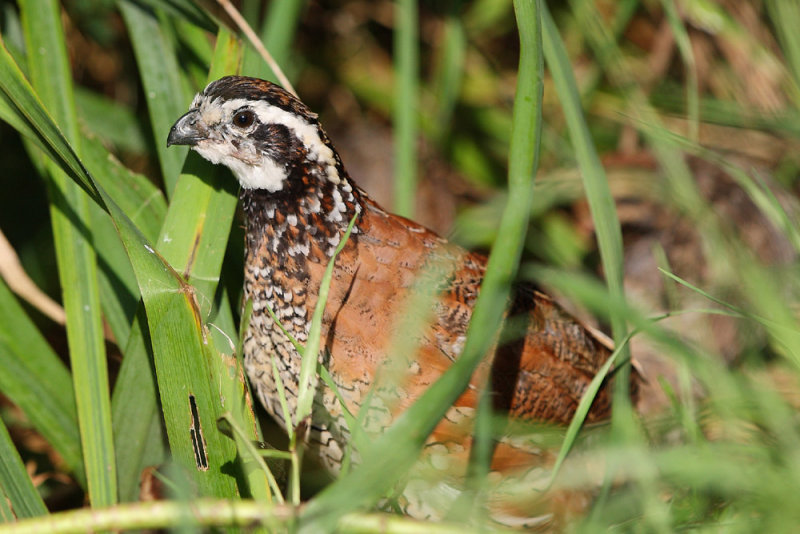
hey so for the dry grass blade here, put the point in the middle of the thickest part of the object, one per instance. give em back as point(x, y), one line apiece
point(20, 283)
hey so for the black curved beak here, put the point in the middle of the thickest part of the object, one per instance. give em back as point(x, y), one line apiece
point(187, 130)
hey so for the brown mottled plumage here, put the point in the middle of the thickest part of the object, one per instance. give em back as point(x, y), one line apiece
point(298, 200)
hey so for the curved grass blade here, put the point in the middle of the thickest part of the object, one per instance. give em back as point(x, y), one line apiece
point(585, 405)
point(144, 203)
point(598, 193)
point(245, 445)
point(188, 10)
point(308, 368)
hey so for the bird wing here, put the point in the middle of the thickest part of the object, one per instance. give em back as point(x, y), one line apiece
point(539, 370)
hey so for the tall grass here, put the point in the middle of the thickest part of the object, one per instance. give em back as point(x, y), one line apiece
point(143, 261)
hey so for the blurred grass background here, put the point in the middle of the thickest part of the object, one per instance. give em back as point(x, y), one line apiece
point(692, 107)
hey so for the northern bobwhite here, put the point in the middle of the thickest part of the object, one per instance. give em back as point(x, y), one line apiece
point(298, 199)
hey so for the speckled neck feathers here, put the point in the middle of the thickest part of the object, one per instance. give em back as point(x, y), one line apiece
point(286, 229)
point(307, 218)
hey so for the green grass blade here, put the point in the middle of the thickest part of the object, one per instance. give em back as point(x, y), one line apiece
point(15, 484)
point(405, 437)
point(308, 377)
point(406, 102)
point(146, 207)
point(307, 380)
point(195, 232)
point(248, 450)
point(166, 97)
point(192, 239)
point(258, 481)
point(776, 317)
point(183, 354)
point(601, 202)
point(759, 286)
point(138, 436)
point(584, 406)
point(756, 190)
point(598, 193)
point(34, 378)
point(71, 218)
point(142, 202)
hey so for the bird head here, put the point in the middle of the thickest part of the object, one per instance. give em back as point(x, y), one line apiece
point(261, 132)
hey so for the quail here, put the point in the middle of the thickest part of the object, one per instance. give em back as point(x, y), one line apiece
point(298, 199)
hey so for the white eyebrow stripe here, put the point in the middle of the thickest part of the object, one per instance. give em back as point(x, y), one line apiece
point(263, 174)
point(307, 133)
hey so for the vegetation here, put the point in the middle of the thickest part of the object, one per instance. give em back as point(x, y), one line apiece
point(637, 158)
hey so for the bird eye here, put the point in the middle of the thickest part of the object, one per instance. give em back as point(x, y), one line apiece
point(243, 119)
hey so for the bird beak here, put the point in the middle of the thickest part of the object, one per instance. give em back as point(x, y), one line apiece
point(187, 130)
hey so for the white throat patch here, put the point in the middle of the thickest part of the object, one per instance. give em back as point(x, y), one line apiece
point(260, 174)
